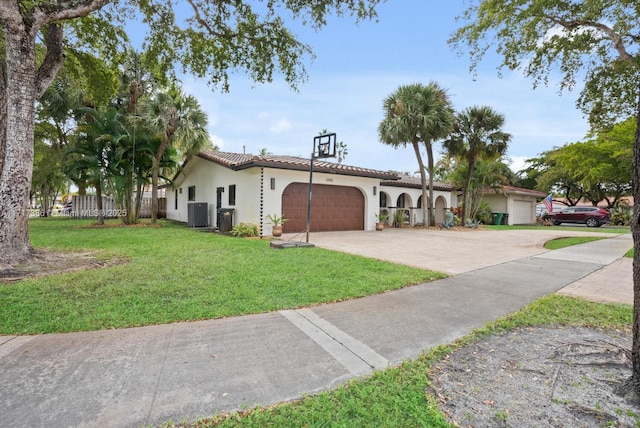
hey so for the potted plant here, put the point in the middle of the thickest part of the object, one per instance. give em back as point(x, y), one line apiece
point(381, 220)
point(277, 221)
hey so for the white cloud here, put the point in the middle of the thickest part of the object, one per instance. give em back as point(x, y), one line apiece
point(518, 163)
point(280, 126)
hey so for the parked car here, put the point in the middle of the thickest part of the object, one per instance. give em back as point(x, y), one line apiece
point(591, 216)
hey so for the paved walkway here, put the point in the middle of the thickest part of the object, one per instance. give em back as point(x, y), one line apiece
point(142, 376)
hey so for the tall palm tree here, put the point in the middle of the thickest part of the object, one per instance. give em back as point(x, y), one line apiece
point(417, 114)
point(180, 122)
point(477, 134)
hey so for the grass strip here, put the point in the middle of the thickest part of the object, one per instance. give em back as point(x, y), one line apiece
point(556, 244)
point(602, 229)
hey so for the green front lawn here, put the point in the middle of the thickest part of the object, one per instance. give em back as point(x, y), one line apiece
point(175, 273)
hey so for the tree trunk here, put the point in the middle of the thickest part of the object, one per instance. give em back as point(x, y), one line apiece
point(138, 201)
point(99, 203)
point(3, 113)
point(17, 164)
point(154, 193)
point(466, 205)
point(634, 382)
point(154, 179)
point(21, 85)
point(432, 219)
point(423, 180)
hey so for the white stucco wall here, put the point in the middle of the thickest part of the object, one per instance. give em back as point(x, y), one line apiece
point(207, 176)
point(497, 201)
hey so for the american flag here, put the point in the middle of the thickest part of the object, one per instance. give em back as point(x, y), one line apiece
point(548, 204)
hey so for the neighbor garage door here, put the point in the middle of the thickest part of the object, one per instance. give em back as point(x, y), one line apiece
point(332, 208)
point(523, 212)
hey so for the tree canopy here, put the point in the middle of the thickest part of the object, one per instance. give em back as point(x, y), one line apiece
point(596, 169)
point(207, 38)
point(593, 41)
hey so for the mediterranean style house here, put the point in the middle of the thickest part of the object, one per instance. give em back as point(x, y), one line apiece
point(220, 189)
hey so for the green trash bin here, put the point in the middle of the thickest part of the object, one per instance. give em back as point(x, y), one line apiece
point(496, 218)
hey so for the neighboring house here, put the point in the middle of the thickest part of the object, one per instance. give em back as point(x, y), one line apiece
point(406, 194)
point(211, 185)
point(518, 203)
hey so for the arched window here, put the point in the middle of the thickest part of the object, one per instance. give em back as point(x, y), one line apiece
point(400, 201)
point(383, 200)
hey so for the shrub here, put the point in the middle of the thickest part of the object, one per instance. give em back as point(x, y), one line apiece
point(483, 215)
point(621, 214)
point(245, 230)
point(398, 218)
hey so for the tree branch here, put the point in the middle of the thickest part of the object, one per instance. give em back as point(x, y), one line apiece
point(230, 35)
point(608, 31)
point(202, 22)
point(46, 13)
point(53, 61)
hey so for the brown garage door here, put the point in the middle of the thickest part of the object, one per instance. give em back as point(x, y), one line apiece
point(332, 208)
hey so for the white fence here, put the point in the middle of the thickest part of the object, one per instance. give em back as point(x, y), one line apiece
point(87, 207)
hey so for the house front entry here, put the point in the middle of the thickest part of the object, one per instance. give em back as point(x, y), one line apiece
point(333, 208)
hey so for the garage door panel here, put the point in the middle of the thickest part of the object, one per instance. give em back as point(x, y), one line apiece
point(333, 208)
point(522, 212)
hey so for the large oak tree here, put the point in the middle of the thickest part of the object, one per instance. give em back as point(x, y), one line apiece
point(596, 41)
point(215, 37)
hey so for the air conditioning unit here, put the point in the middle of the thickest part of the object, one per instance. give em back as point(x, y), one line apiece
point(197, 214)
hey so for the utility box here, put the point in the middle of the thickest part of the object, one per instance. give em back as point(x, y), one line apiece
point(197, 214)
point(225, 219)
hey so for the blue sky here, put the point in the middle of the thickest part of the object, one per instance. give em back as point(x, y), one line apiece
point(357, 66)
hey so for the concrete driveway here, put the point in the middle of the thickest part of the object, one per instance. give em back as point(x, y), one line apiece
point(449, 251)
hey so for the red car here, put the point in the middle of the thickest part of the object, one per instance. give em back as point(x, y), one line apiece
point(591, 216)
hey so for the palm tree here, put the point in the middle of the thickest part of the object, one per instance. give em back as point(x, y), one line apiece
point(179, 121)
point(417, 114)
point(477, 134)
point(93, 150)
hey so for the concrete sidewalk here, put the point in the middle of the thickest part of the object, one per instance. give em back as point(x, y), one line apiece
point(141, 376)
